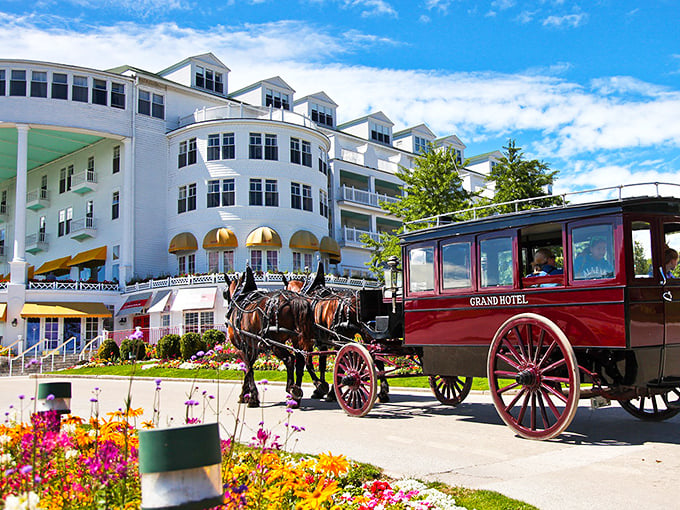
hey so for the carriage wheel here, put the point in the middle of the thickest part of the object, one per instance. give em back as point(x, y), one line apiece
point(450, 390)
point(541, 398)
point(354, 379)
point(654, 407)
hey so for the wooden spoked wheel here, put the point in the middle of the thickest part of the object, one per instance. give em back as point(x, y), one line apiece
point(354, 378)
point(541, 398)
point(654, 407)
point(450, 390)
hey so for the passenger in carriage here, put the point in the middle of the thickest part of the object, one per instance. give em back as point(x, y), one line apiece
point(670, 262)
point(593, 263)
point(544, 263)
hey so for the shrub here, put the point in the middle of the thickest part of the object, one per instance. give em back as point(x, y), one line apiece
point(212, 337)
point(168, 347)
point(132, 348)
point(190, 344)
point(108, 350)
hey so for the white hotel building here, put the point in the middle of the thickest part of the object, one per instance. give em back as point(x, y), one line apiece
point(125, 194)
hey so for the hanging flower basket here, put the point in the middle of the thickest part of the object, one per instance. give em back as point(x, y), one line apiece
point(180, 468)
point(54, 396)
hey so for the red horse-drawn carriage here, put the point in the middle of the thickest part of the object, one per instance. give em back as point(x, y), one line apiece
point(603, 322)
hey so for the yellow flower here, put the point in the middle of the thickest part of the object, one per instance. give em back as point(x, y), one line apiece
point(330, 463)
point(148, 424)
point(313, 500)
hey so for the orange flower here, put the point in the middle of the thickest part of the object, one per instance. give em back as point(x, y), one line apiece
point(330, 463)
point(314, 499)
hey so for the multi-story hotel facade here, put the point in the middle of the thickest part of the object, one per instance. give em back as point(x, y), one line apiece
point(125, 194)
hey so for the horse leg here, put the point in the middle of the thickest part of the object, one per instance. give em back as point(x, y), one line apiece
point(383, 394)
point(320, 381)
point(249, 391)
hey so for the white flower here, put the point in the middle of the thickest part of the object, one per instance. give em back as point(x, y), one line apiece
point(5, 459)
point(69, 428)
point(71, 454)
point(92, 433)
point(25, 501)
point(5, 439)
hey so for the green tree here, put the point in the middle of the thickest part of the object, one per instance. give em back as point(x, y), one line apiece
point(517, 178)
point(432, 187)
point(640, 261)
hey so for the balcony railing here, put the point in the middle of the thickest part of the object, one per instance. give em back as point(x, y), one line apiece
point(353, 235)
point(84, 182)
point(3, 212)
point(37, 199)
point(37, 242)
point(360, 196)
point(68, 285)
point(83, 228)
point(242, 111)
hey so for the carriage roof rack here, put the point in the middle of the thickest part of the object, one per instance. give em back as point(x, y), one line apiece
point(449, 217)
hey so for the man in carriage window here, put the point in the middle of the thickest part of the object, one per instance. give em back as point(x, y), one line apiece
point(593, 263)
point(544, 263)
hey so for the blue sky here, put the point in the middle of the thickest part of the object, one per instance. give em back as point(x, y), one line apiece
point(591, 87)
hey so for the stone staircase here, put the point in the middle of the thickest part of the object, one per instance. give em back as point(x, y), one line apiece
point(59, 363)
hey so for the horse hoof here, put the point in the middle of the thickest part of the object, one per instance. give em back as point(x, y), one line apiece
point(320, 391)
point(383, 398)
point(253, 403)
point(296, 393)
point(330, 397)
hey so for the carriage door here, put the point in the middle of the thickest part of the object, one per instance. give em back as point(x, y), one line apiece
point(671, 294)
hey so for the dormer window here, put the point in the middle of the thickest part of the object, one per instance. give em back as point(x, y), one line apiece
point(277, 99)
point(459, 156)
point(380, 133)
point(419, 145)
point(322, 114)
point(210, 80)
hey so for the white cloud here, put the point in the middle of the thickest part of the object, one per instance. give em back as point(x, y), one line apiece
point(568, 20)
point(424, 19)
point(372, 7)
point(441, 5)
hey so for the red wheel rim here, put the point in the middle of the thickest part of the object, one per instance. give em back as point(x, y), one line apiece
point(355, 380)
point(654, 407)
point(450, 390)
point(541, 398)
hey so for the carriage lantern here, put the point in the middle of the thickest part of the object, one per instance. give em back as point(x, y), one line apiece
point(393, 280)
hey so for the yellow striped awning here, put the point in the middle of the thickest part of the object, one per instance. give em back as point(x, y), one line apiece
point(90, 258)
point(183, 242)
point(220, 238)
point(329, 246)
point(74, 310)
point(264, 236)
point(31, 272)
point(58, 266)
point(304, 240)
point(3, 312)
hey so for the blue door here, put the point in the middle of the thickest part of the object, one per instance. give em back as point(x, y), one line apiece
point(72, 328)
point(32, 331)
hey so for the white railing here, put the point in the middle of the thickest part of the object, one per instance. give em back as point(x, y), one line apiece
point(37, 238)
point(18, 343)
point(57, 350)
point(35, 349)
point(78, 224)
point(92, 345)
point(88, 176)
point(242, 111)
point(359, 196)
point(57, 285)
point(37, 194)
point(353, 235)
point(3, 285)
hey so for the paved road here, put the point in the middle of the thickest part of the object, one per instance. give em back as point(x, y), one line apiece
point(606, 460)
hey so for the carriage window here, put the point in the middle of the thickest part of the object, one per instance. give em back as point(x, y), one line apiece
point(593, 250)
point(421, 269)
point(642, 249)
point(496, 262)
point(671, 249)
point(456, 269)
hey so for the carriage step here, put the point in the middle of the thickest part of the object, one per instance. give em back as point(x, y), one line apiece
point(664, 382)
point(599, 401)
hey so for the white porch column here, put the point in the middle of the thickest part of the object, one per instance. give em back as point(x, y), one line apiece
point(371, 184)
point(127, 206)
point(20, 198)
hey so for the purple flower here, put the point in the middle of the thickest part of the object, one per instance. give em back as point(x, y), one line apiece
point(191, 403)
point(33, 362)
point(49, 397)
point(264, 381)
point(200, 354)
point(218, 348)
point(193, 358)
point(94, 400)
point(158, 382)
point(26, 469)
point(242, 367)
point(21, 397)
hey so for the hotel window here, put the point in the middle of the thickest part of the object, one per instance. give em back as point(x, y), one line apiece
point(200, 77)
point(182, 200)
point(419, 145)
point(158, 106)
point(115, 252)
point(191, 154)
point(322, 115)
point(459, 156)
point(219, 83)
point(118, 95)
point(2, 242)
point(213, 147)
point(65, 179)
point(43, 183)
point(144, 102)
point(256, 260)
point(295, 155)
point(213, 261)
point(213, 196)
point(228, 260)
point(3, 83)
point(115, 205)
point(276, 99)
point(69, 175)
point(191, 263)
point(64, 225)
point(255, 195)
point(89, 213)
point(380, 133)
point(186, 264)
point(99, 92)
point(295, 196)
point(42, 229)
point(271, 150)
point(90, 167)
point(165, 320)
point(38, 84)
point(323, 161)
point(79, 89)
point(272, 260)
point(52, 330)
point(91, 327)
point(228, 192)
point(307, 154)
point(209, 80)
point(307, 203)
point(271, 193)
point(301, 261)
point(323, 203)
point(116, 159)
point(182, 156)
point(17, 85)
point(59, 86)
point(3, 202)
point(228, 146)
point(255, 147)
